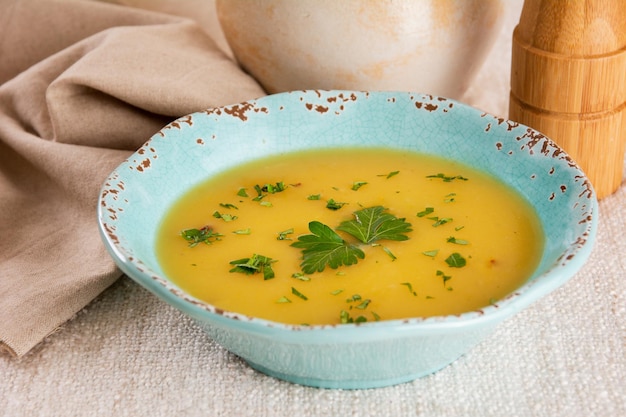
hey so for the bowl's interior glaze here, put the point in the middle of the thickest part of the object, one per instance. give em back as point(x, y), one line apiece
point(194, 147)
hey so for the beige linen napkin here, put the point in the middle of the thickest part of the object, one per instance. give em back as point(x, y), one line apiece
point(82, 85)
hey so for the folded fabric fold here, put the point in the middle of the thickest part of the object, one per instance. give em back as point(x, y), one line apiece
point(83, 84)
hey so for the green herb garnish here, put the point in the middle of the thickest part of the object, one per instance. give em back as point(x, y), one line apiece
point(273, 188)
point(263, 191)
point(447, 178)
point(255, 264)
point(431, 253)
point(314, 197)
point(224, 216)
point(298, 294)
point(443, 276)
point(358, 184)
point(425, 212)
point(283, 235)
point(391, 174)
point(300, 276)
point(355, 297)
point(324, 248)
point(205, 235)
point(229, 206)
point(374, 223)
point(409, 286)
point(242, 231)
point(345, 318)
point(440, 221)
point(386, 250)
point(456, 260)
point(454, 240)
point(334, 205)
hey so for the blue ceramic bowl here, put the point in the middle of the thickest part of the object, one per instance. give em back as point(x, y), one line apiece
point(188, 151)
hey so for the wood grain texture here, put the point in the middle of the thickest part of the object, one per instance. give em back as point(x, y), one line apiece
point(568, 80)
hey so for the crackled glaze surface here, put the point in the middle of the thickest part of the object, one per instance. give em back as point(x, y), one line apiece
point(196, 146)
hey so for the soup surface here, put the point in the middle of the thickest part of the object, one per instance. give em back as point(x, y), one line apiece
point(324, 237)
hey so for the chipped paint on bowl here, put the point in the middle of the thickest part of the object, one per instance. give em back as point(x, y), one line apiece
point(197, 146)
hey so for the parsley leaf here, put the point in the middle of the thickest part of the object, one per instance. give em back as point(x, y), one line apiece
point(325, 247)
point(373, 223)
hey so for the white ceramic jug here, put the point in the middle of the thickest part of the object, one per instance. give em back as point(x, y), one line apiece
point(427, 46)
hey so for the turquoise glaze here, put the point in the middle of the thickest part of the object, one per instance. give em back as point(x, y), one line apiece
point(373, 354)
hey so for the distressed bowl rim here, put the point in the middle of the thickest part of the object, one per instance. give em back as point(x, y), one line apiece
point(525, 295)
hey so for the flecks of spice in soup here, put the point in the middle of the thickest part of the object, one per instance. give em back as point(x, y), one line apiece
point(469, 240)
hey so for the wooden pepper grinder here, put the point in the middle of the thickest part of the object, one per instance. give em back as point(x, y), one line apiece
point(568, 81)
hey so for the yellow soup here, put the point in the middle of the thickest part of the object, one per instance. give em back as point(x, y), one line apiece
point(396, 235)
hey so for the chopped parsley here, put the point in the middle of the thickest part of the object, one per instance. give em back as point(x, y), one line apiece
point(456, 241)
point(447, 178)
point(345, 318)
point(425, 212)
point(283, 235)
point(224, 216)
point(389, 175)
point(253, 265)
point(440, 221)
point(205, 235)
point(357, 184)
point(443, 276)
point(298, 294)
point(300, 276)
point(264, 190)
point(334, 205)
point(456, 260)
point(410, 287)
